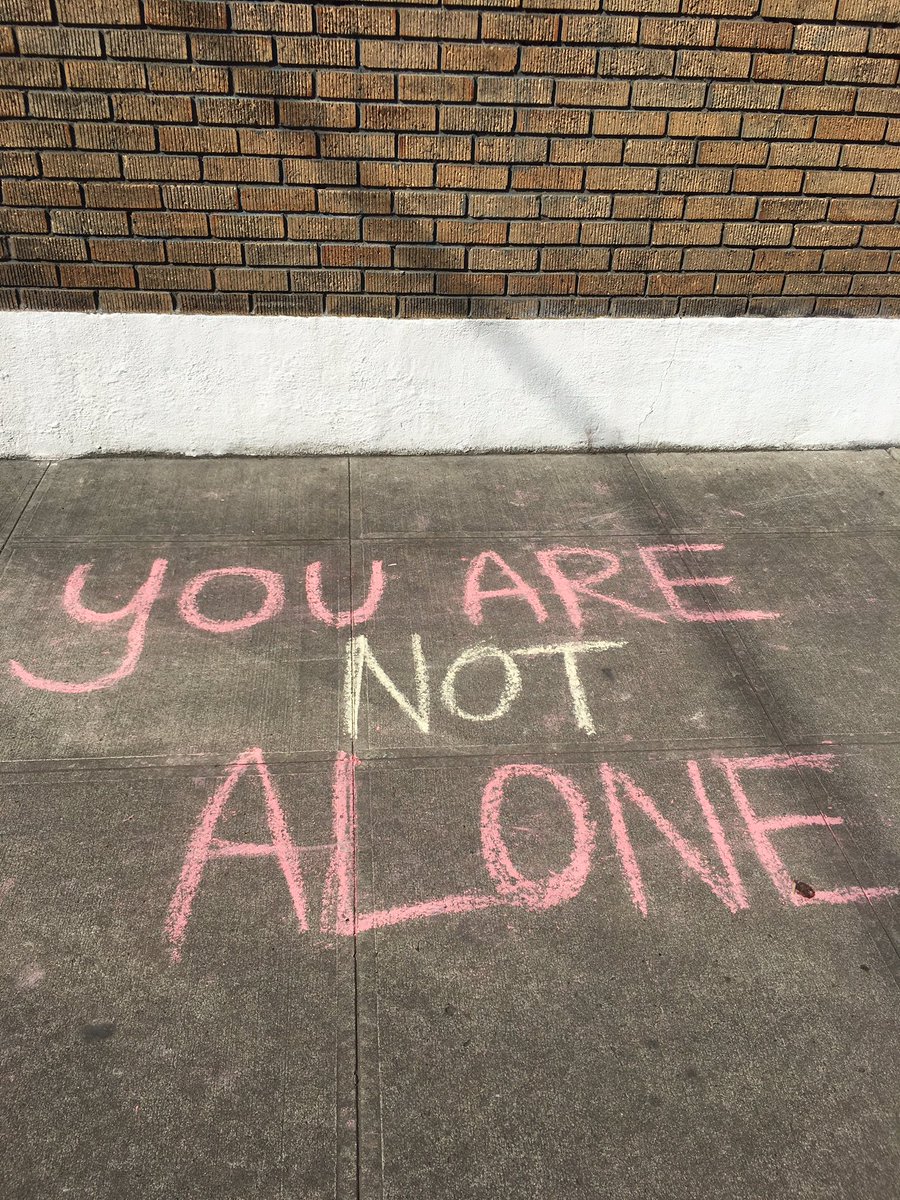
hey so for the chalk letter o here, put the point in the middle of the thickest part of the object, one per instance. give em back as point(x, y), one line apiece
point(511, 687)
point(509, 881)
point(270, 607)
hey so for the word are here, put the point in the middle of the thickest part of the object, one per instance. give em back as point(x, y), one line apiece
point(714, 866)
point(575, 574)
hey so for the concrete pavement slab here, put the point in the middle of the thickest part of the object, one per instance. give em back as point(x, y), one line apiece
point(863, 792)
point(18, 478)
point(201, 664)
point(293, 499)
point(544, 916)
point(493, 668)
point(829, 666)
point(509, 493)
point(766, 491)
point(219, 1077)
point(584, 1049)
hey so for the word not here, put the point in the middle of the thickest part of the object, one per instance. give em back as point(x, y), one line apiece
point(360, 658)
point(716, 868)
point(573, 588)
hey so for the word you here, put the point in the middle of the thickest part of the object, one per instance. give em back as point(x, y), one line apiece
point(714, 866)
point(576, 575)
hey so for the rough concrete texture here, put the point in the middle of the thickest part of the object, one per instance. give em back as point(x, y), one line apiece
point(76, 383)
point(327, 875)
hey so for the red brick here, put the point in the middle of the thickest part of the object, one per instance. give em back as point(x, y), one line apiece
point(394, 116)
point(127, 250)
point(175, 278)
point(268, 81)
point(350, 255)
point(678, 32)
point(393, 229)
point(403, 56)
point(439, 23)
point(184, 14)
point(78, 164)
point(350, 20)
point(456, 118)
point(476, 58)
point(279, 254)
point(490, 204)
point(276, 199)
point(521, 27)
point(511, 149)
point(756, 35)
point(767, 180)
point(432, 88)
point(209, 252)
point(473, 233)
point(251, 279)
point(557, 60)
point(54, 249)
point(92, 275)
point(99, 12)
point(326, 281)
point(42, 193)
point(60, 43)
point(636, 62)
point(261, 17)
point(234, 110)
point(458, 175)
point(839, 183)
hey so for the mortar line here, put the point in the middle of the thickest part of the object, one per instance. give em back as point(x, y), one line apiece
point(24, 507)
point(355, 851)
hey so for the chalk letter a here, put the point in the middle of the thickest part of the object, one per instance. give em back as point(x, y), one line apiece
point(475, 594)
point(204, 846)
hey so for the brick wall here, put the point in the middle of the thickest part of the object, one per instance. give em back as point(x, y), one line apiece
point(513, 158)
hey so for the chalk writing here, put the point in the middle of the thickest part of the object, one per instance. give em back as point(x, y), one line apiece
point(574, 588)
point(340, 913)
point(204, 846)
point(138, 607)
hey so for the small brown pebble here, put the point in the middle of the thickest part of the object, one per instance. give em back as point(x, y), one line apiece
point(804, 889)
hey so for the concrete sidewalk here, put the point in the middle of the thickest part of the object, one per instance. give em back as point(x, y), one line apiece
point(506, 827)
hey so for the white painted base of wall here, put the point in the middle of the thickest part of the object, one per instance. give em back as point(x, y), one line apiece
point(73, 383)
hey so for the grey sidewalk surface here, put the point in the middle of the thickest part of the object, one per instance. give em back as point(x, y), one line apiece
point(507, 827)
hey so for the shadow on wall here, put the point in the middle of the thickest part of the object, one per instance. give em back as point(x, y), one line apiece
point(436, 283)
